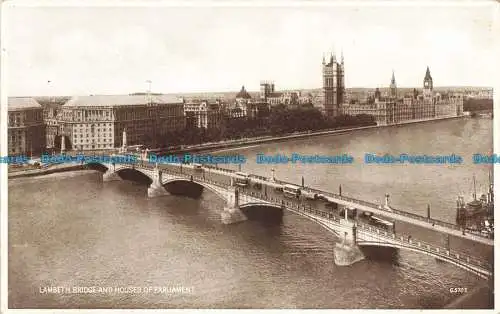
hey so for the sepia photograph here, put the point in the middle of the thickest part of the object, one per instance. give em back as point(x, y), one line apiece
point(248, 155)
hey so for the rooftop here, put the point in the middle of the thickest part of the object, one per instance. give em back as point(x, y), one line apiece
point(16, 103)
point(121, 100)
point(243, 94)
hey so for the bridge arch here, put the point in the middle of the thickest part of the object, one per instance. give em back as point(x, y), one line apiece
point(127, 172)
point(96, 166)
point(483, 273)
point(219, 193)
point(319, 222)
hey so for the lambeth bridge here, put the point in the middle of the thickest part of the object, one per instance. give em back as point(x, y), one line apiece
point(353, 232)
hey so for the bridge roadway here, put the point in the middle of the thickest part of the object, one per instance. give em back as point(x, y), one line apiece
point(224, 176)
point(219, 181)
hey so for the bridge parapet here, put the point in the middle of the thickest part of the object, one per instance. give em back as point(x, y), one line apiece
point(353, 202)
point(360, 233)
point(370, 235)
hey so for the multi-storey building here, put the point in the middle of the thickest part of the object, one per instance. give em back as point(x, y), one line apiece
point(290, 99)
point(204, 113)
point(381, 108)
point(333, 87)
point(97, 122)
point(26, 129)
point(246, 107)
point(392, 109)
point(51, 106)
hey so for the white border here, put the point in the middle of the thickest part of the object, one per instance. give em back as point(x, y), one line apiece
point(3, 171)
point(496, 142)
point(222, 3)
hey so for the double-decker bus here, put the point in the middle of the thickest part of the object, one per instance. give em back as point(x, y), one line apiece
point(291, 190)
point(241, 178)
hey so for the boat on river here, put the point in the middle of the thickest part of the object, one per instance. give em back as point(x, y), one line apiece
point(478, 214)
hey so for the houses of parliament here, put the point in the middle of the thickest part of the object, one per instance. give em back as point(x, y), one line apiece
point(386, 109)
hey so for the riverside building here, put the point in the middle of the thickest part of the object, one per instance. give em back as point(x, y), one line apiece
point(25, 126)
point(291, 99)
point(204, 113)
point(245, 106)
point(393, 109)
point(97, 122)
point(333, 87)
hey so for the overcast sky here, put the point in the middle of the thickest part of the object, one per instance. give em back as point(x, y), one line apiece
point(113, 50)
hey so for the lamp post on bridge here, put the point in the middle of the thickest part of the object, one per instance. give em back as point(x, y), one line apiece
point(428, 212)
point(340, 189)
point(239, 167)
point(302, 181)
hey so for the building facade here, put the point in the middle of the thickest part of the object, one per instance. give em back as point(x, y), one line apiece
point(204, 113)
point(291, 99)
point(333, 87)
point(26, 128)
point(245, 106)
point(51, 108)
point(97, 122)
point(393, 109)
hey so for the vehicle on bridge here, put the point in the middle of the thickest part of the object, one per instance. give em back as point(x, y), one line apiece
point(198, 167)
point(241, 178)
point(322, 197)
point(388, 225)
point(309, 195)
point(291, 190)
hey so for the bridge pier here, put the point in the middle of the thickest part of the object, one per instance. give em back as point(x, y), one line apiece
point(110, 175)
point(232, 213)
point(347, 252)
point(156, 188)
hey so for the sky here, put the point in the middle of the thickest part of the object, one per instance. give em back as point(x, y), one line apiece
point(81, 50)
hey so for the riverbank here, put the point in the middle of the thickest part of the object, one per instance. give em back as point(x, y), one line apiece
point(261, 140)
point(41, 172)
point(257, 141)
point(222, 146)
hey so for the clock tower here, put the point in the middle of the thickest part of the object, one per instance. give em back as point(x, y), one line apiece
point(428, 84)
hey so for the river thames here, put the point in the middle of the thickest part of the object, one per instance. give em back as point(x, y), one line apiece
point(119, 249)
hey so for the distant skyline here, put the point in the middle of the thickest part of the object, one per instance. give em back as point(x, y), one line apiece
point(103, 50)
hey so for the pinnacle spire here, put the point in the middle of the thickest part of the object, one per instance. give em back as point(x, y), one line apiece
point(393, 79)
point(428, 74)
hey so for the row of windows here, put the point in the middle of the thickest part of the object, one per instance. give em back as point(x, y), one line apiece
point(98, 130)
point(99, 113)
point(98, 135)
point(87, 141)
point(93, 146)
point(86, 125)
point(14, 138)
